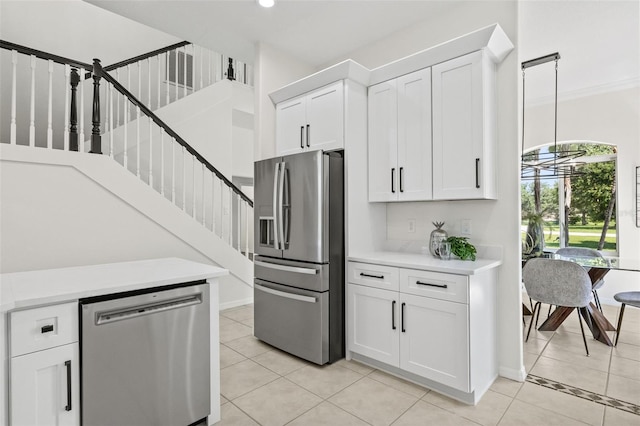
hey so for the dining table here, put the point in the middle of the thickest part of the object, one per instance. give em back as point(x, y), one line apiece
point(597, 268)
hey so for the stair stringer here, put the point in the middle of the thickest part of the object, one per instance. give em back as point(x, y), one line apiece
point(124, 185)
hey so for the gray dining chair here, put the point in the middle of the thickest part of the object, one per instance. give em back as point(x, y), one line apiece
point(584, 252)
point(559, 283)
point(626, 298)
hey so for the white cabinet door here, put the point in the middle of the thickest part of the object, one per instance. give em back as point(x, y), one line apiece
point(414, 136)
point(325, 118)
point(45, 387)
point(290, 126)
point(383, 142)
point(434, 340)
point(373, 328)
point(311, 122)
point(460, 166)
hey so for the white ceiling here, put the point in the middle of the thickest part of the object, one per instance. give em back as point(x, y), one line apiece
point(599, 41)
point(314, 31)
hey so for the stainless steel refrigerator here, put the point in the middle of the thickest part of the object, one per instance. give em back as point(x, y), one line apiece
point(299, 263)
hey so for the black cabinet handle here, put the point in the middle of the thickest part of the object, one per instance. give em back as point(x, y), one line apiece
point(68, 365)
point(402, 317)
point(393, 184)
point(301, 136)
point(401, 176)
point(477, 173)
point(380, 277)
point(393, 315)
point(432, 285)
point(47, 328)
point(308, 126)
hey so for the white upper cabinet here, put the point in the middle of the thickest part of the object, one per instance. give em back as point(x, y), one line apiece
point(400, 138)
point(464, 116)
point(314, 121)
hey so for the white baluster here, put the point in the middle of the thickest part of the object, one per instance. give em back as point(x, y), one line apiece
point(150, 150)
point(204, 209)
point(110, 93)
point(184, 179)
point(246, 229)
point(166, 59)
point(81, 144)
point(193, 173)
point(14, 63)
point(210, 70)
point(139, 81)
point(159, 76)
point(230, 211)
point(161, 158)
point(128, 87)
point(126, 132)
point(184, 74)
point(138, 140)
point(173, 170)
point(193, 68)
point(176, 52)
point(213, 203)
point(200, 58)
point(149, 82)
point(238, 221)
point(50, 108)
point(32, 117)
point(65, 123)
point(118, 99)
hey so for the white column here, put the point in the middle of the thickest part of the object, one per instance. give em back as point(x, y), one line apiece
point(32, 116)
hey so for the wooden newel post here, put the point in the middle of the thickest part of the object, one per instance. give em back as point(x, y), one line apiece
point(96, 143)
point(73, 117)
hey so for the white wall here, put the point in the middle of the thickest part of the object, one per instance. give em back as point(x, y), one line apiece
point(273, 70)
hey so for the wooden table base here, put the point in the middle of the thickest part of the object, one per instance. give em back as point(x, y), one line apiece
point(598, 324)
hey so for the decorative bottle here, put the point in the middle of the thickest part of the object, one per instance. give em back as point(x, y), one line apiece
point(437, 235)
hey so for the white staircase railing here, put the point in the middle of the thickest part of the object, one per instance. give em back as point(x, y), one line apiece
point(131, 134)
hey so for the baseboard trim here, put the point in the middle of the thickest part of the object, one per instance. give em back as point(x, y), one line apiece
point(236, 303)
point(513, 374)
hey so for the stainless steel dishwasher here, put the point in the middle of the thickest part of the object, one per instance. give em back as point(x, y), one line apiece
point(145, 358)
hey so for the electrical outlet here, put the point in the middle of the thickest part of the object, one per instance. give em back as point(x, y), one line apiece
point(412, 226)
point(465, 227)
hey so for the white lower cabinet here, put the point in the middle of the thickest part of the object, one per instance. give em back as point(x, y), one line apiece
point(44, 366)
point(424, 327)
point(434, 340)
point(45, 387)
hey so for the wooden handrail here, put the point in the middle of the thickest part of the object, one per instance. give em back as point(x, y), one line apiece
point(173, 134)
point(144, 56)
point(44, 55)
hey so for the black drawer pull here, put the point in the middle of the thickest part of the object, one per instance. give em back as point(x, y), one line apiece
point(477, 173)
point(401, 176)
point(68, 365)
point(301, 137)
point(402, 317)
point(47, 328)
point(432, 285)
point(380, 277)
point(393, 185)
point(393, 315)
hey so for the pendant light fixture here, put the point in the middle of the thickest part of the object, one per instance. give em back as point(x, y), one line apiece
point(548, 165)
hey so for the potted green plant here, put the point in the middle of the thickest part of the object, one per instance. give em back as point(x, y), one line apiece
point(462, 248)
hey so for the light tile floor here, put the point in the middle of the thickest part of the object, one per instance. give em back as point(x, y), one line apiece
point(262, 385)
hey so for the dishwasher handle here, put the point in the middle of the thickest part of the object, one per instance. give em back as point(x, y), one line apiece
point(131, 312)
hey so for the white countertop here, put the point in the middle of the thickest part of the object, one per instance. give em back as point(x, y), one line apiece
point(426, 262)
point(28, 289)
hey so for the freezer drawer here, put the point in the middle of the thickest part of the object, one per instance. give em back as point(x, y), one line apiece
point(293, 320)
point(306, 276)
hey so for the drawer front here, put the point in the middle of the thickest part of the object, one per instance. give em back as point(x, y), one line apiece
point(42, 328)
point(384, 277)
point(437, 285)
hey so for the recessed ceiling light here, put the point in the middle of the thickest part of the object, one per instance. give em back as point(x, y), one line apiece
point(266, 3)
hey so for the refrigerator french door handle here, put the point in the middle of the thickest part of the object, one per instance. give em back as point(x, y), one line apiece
point(276, 172)
point(281, 205)
point(308, 271)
